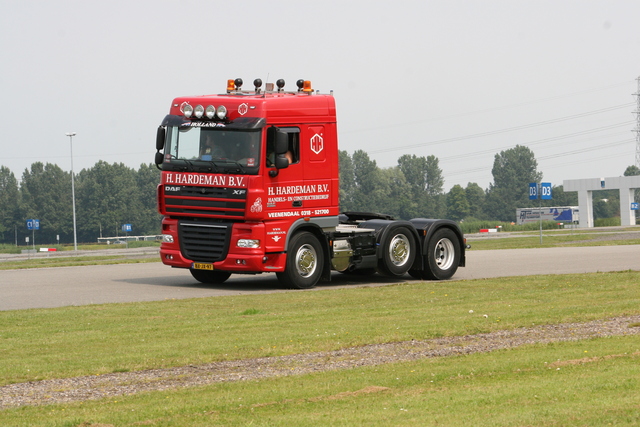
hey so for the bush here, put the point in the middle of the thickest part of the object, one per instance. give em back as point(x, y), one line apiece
point(469, 227)
point(606, 222)
point(6, 248)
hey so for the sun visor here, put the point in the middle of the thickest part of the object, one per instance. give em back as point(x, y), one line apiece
point(239, 123)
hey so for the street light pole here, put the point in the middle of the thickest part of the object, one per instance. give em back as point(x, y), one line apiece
point(73, 193)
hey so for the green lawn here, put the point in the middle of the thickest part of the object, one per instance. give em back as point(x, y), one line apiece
point(591, 382)
point(74, 261)
point(550, 240)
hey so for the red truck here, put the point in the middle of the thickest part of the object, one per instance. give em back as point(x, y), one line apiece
point(250, 185)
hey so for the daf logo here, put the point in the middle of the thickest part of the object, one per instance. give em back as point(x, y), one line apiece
point(170, 188)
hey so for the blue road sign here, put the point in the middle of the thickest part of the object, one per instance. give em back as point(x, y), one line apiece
point(635, 206)
point(126, 228)
point(545, 189)
point(33, 224)
point(533, 190)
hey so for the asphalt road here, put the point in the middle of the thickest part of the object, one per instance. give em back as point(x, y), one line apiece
point(64, 286)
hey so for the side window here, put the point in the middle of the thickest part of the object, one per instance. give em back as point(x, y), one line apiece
point(293, 154)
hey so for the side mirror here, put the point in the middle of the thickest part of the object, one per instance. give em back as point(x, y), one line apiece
point(282, 142)
point(159, 158)
point(160, 137)
point(282, 146)
point(281, 161)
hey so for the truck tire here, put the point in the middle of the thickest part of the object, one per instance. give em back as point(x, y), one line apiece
point(210, 277)
point(398, 252)
point(443, 255)
point(304, 262)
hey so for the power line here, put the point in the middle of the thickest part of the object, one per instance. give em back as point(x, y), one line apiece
point(596, 159)
point(584, 150)
point(554, 156)
point(499, 131)
point(541, 141)
point(487, 110)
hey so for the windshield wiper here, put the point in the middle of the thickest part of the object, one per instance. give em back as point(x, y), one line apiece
point(215, 168)
point(239, 168)
point(188, 167)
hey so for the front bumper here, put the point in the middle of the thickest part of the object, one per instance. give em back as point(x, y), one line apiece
point(239, 263)
point(237, 259)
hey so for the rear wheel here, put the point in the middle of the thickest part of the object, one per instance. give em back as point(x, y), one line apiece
point(399, 251)
point(210, 277)
point(443, 255)
point(304, 262)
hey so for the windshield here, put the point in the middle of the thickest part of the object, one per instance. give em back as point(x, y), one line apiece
point(226, 150)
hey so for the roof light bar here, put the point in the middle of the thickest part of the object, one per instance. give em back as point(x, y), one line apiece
point(210, 112)
point(199, 111)
point(221, 112)
point(186, 109)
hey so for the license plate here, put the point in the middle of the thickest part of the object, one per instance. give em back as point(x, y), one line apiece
point(202, 266)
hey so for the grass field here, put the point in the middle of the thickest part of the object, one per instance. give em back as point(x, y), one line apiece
point(550, 241)
point(591, 382)
point(12, 249)
point(74, 262)
point(554, 385)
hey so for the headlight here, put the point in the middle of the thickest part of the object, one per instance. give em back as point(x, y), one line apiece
point(221, 112)
point(167, 238)
point(248, 243)
point(210, 112)
point(199, 111)
point(186, 109)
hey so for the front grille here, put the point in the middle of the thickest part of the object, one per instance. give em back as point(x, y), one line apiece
point(204, 242)
point(201, 201)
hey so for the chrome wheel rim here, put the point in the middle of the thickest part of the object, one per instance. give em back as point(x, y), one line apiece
point(399, 250)
point(444, 254)
point(306, 260)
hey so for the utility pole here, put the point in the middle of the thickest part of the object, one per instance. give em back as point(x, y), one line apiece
point(73, 193)
point(637, 129)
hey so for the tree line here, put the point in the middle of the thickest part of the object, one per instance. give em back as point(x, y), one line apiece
point(110, 195)
point(107, 196)
point(414, 188)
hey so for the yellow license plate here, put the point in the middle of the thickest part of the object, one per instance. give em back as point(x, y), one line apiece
point(202, 266)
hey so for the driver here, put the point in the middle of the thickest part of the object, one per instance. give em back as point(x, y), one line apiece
point(209, 150)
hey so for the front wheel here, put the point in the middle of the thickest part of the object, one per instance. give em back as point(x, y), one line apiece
point(443, 255)
point(210, 277)
point(305, 260)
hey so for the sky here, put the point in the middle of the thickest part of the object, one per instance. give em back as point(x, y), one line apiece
point(461, 80)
